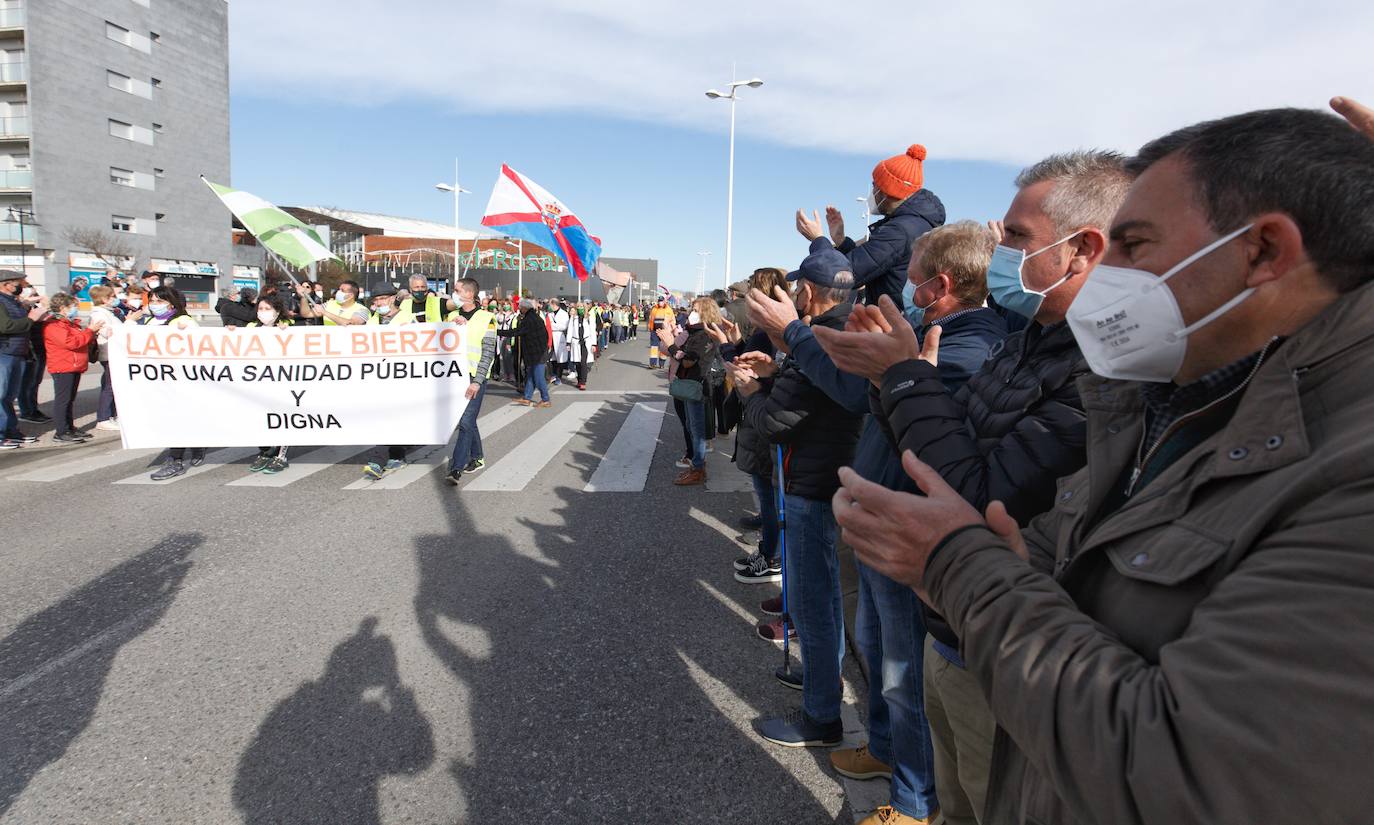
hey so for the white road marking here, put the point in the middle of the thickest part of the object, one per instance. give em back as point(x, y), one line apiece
point(303, 467)
point(62, 470)
point(214, 460)
point(722, 474)
point(625, 467)
point(425, 461)
point(717, 525)
point(518, 467)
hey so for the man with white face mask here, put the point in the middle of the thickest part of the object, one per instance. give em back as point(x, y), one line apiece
point(1172, 643)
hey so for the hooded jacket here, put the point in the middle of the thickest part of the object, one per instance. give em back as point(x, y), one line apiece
point(817, 433)
point(879, 263)
point(1201, 653)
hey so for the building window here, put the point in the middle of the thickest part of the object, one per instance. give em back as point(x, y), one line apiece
point(147, 4)
point(119, 34)
point(120, 129)
point(121, 223)
point(122, 82)
point(123, 177)
point(161, 216)
point(157, 84)
point(19, 162)
point(157, 127)
point(155, 37)
point(159, 172)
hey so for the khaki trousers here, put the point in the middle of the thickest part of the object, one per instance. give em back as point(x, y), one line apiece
point(961, 730)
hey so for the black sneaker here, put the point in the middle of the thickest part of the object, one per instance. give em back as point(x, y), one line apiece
point(25, 439)
point(259, 464)
point(35, 418)
point(171, 469)
point(789, 678)
point(69, 438)
point(10, 444)
point(274, 465)
point(797, 730)
point(475, 465)
point(761, 571)
point(751, 522)
point(455, 478)
point(746, 561)
point(197, 457)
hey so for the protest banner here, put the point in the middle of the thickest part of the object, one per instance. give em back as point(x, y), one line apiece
point(301, 385)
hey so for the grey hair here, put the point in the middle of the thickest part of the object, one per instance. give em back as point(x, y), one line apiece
point(1090, 186)
point(829, 294)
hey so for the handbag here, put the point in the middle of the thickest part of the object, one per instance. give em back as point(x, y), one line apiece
point(686, 389)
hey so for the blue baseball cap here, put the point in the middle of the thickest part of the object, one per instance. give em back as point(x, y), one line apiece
point(825, 266)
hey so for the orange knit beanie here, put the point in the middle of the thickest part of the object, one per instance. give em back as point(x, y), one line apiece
point(902, 176)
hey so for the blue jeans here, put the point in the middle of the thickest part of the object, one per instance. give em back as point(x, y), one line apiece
point(105, 410)
point(767, 492)
point(891, 631)
point(815, 604)
point(469, 443)
point(534, 377)
point(33, 378)
point(696, 426)
point(11, 378)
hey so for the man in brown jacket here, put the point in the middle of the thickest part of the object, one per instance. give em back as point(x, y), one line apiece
point(1184, 637)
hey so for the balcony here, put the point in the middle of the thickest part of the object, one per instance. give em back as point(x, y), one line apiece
point(16, 179)
point(14, 72)
point(9, 233)
point(14, 127)
point(12, 17)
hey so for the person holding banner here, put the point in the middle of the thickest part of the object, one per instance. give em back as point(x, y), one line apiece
point(271, 312)
point(167, 307)
point(421, 305)
point(107, 312)
point(478, 328)
point(384, 307)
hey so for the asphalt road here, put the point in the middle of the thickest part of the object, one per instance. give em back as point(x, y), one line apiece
point(329, 652)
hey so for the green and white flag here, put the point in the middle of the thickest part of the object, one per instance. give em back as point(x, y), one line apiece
point(282, 234)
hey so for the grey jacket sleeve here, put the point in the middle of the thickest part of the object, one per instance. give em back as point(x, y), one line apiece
point(488, 357)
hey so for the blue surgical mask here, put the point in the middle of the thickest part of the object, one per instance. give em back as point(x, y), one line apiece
point(72, 312)
point(913, 312)
point(1005, 282)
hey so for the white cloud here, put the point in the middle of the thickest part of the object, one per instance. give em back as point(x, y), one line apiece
point(969, 81)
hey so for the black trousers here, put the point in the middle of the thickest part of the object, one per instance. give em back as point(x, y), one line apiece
point(64, 386)
point(582, 369)
point(681, 409)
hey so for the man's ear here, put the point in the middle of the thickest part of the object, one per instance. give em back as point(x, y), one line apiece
point(1088, 250)
point(1273, 248)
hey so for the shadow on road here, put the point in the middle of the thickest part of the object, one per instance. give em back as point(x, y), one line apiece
point(599, 665)
point(321, 755)
point(54, 665)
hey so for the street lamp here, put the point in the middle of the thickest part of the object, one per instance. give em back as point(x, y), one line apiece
point(867, 216)
point(457, 190)
point(520, 282)
point(19, 215)
point(701, 279)
point(734, 87)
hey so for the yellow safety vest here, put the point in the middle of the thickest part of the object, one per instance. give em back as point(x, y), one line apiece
point(335, 307)
point(434, 310)
point(475, 330)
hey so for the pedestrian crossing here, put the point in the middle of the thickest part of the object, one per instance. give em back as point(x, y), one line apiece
point(626, 465)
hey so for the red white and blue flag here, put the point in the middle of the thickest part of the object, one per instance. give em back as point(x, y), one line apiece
point(523, 209)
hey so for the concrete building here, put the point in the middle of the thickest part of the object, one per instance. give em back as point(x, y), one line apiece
point(110, 110)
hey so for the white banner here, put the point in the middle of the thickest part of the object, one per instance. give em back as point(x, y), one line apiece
point(305, 385)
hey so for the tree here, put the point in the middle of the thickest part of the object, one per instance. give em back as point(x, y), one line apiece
point(112, 251)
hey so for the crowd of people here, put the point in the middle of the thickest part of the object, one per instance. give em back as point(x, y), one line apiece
point(1103, 465)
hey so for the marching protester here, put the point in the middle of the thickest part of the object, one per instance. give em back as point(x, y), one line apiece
point(905, 210)
point(383, 303)
point(481, 336)
point(817, 436)
point(341, 310)
point(17, 322)
point(660, 316)
point(238, 308)
point(269, 311)
point(69, 347)
point(167, 307)
point(1146, 644)
point(106, 318)
point(581, 345)
point(422, 305)
point(532, 341)
point(697, 358)
point(558, 320)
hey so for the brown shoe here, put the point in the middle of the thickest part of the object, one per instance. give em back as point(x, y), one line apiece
point(691, 477)
point(523, 402)
point(888, 815)
point(545, 403)
point(859, 763)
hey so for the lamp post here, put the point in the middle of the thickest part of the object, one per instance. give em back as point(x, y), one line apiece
point(867, 216)
point(701, 278)
point(457, 190)
point(520, 279)
point(734, 88)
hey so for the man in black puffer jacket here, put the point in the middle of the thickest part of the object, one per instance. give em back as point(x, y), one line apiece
point(818, 437)
point(1017, 425)
point(905, 210)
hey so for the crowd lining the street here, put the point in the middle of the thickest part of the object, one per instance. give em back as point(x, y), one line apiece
point(1103, 462)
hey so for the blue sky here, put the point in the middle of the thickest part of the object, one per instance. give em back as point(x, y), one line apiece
point(362, 105)
point(648, 191)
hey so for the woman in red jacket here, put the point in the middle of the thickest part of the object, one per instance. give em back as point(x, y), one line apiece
point(69, 347)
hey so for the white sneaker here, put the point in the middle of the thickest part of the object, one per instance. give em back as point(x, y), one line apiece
point(710, 446)
point(108, 424)
point(682, 464)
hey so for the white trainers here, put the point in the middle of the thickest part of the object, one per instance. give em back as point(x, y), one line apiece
point(110, 424)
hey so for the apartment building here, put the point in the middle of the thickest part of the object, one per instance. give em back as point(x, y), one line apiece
point(110, 110)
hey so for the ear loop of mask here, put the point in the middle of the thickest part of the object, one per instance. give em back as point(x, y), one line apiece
point(1057, 283)
point(1183, 264)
